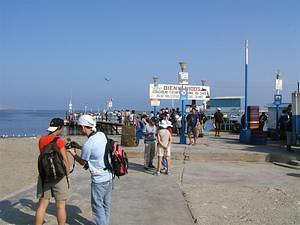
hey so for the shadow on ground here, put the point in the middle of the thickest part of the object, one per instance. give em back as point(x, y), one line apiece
point(293, 174)
point(22, 212)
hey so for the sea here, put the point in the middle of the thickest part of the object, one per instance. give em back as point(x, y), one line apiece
point(24, 123)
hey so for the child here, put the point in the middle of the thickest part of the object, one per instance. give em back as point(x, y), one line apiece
point(164, 139)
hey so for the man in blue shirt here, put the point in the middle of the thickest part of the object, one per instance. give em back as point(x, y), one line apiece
point(92, 158)
point(150, 131)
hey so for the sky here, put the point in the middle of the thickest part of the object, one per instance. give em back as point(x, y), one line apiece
point(53, 50)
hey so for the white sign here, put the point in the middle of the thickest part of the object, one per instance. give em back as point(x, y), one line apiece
point(110, 104)
point(155, 102)
point(278, 85)
point(183, 78)
point(172, 91)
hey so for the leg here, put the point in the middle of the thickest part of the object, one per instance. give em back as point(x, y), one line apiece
point(158, 164)
point(61, 213)
point(101, 202)
point(146, 155)
point(40, 213)
point(152, 153)
point(168, 164)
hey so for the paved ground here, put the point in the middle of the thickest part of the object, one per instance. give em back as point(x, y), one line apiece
point(215, 182)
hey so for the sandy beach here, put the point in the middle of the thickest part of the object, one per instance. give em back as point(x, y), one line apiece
point(18, 159)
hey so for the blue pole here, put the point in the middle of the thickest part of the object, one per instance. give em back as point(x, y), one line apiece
point(246, 84)
point(245, 135)
point(155, 111)
point(182, 131)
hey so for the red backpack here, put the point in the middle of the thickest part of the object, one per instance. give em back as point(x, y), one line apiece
point(115, 158)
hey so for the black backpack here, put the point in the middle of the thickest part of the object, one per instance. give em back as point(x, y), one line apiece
point(50, 163)
point(115, 159)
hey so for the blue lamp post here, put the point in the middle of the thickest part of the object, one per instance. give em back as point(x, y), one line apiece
point(278, 100)
point(245, 135)
point(183, 95)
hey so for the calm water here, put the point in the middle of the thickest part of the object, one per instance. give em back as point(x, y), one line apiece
point(27, 122)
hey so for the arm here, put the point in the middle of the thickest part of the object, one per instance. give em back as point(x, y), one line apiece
point(63, 153)
point(77, 157)
point(170, 141)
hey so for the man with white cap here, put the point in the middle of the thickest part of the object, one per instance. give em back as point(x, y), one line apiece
point(218, 117)
point(92, 158)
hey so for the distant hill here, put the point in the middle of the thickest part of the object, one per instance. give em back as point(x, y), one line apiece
point(2, 107)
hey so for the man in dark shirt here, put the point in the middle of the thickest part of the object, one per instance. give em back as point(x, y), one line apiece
point(193, 126)
point(218, 117)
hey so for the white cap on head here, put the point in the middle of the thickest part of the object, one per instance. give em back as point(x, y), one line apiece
point(219, 109)
point(165, 124)
point(88, 121)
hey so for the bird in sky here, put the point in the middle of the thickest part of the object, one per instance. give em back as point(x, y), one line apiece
point(107, 79)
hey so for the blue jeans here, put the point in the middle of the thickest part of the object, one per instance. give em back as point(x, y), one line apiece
point(101, 201)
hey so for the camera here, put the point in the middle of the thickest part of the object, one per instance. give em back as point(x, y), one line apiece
point(71, 144)
point(86, 166)
point(68, 145)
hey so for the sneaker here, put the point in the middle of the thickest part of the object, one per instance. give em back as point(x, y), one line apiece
point(162, 170)
point(146, 168)
point(156, 173)
point(167, 172)
point(151, 166)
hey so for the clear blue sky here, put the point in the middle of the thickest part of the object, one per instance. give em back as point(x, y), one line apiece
point(49, 49)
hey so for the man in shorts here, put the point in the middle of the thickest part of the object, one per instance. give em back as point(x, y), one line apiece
point(59, 190)
point(193, 126)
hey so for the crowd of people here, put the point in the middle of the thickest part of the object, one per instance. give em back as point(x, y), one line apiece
point(156, 130)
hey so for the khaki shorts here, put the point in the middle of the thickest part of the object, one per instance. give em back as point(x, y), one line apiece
point(194, 132)
point(163, 152)
point(59, 190)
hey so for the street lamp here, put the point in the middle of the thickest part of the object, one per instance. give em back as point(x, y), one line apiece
point(278, 98)
point(183, 81)
point(245, 135)
point(155, 82)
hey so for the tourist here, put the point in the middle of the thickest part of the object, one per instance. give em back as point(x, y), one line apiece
point(193, 122)
point(164, 141)
point(262, 120)
point(150, 138)
point(92, 158)
point(59, 190)
point(218, 117)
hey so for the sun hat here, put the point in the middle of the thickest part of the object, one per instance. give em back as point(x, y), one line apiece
point(56, 123)
point(169, 123)
point(165, 124)
point(87, 121)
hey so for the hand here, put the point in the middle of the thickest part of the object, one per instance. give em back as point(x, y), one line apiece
point(72, 151)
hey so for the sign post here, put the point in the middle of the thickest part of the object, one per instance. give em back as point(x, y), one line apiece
point(183, 80)
point(154, 103)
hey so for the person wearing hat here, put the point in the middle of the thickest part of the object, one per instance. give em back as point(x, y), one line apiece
point(59, 190)
point(164, 141)
point(92, 158)
point(218, 117)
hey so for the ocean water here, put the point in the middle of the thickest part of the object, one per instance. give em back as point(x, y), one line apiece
point(27, 122)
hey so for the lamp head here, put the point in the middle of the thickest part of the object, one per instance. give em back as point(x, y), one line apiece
point(182, 66)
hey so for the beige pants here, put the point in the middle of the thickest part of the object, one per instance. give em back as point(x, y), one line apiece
point(149, 153)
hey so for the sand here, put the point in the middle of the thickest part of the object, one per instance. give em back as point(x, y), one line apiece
point(18, 160)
